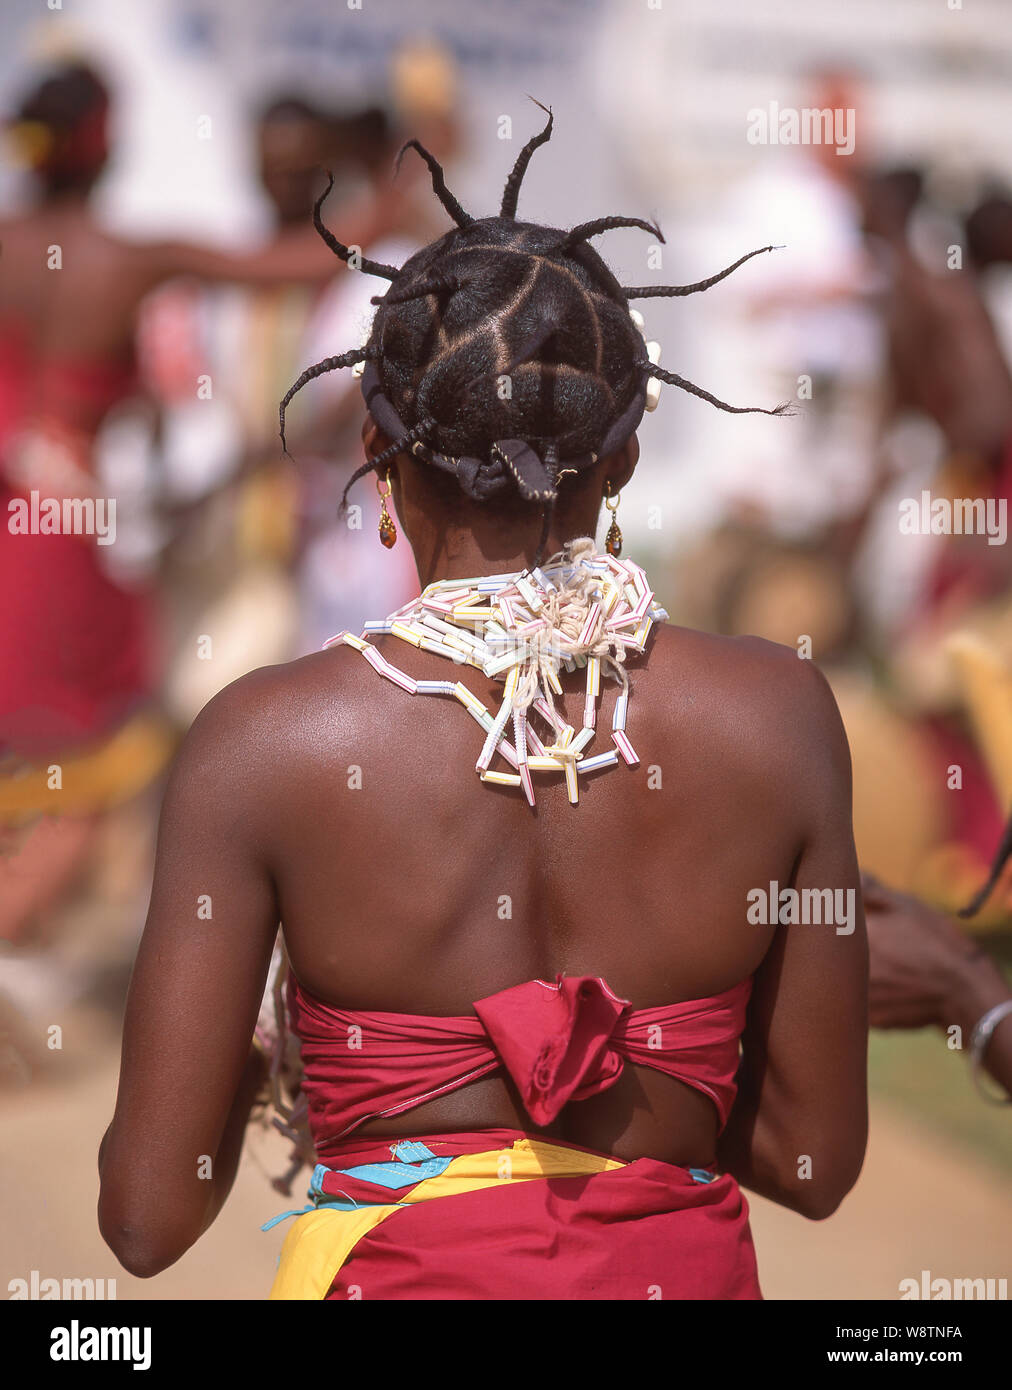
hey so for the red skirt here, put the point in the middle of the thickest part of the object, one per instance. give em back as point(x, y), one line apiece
point(78, 657)
point(512, 1216)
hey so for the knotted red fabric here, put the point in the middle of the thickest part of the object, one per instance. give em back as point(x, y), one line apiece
point(558, 1042)
point(555, 1040)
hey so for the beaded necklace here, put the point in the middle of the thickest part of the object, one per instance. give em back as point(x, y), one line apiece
point(579, 609)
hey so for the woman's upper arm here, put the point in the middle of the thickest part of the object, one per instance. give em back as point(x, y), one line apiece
point(196, 987)
point(800, 1127)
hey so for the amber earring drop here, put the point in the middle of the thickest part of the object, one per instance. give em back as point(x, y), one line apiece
point(387, 529)
point(613, 540)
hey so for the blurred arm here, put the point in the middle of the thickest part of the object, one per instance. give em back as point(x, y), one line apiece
point(297, 257)
point(925, 973)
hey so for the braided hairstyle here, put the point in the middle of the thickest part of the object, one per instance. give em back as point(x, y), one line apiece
point(505, 353)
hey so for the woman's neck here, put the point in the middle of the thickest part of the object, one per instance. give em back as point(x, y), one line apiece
point(468, 560)
point(465, 552)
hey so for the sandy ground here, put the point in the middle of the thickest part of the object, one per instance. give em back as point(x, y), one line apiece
point(918, 1205)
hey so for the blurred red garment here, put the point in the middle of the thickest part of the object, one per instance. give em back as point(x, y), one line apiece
point(76, 644)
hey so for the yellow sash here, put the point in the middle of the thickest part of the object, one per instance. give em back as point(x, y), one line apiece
point(320, 1241)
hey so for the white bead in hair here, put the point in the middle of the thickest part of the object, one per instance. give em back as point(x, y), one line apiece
point(653, 385)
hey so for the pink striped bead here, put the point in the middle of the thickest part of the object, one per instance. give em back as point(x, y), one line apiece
point(375, 660)
point(623, 745)
point(399, 678)
point(641, 608)
point(590, 624)
point(544, 708)
point(509, 753)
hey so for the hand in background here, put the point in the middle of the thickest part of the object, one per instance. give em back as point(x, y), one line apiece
point(918, 959)
point(924, 971)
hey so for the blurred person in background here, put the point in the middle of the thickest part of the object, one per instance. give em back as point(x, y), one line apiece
point(230, 574)
point(882, 620)
point(953, 639)
point(783, 560)
point(276, 532)
point(812, 329)
point(80, 660)
point(339, 575)
point(77, 692)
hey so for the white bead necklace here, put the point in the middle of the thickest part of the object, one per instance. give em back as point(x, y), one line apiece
point(580, 609)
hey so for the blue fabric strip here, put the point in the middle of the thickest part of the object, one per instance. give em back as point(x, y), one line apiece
point(392, 1176)
point(301, 1211)
point(702, 1175)
point(396, 1175)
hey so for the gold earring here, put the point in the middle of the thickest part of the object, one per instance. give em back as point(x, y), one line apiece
point(387, 529)
point(613, 540)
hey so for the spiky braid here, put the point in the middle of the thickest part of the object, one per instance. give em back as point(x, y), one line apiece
point(506, 349)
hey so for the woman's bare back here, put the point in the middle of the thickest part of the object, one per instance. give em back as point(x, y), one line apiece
point(321, 796)
point(77, 287)
point(406, 885)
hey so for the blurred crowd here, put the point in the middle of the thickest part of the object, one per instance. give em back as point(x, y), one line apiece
point(841, 536)
point(151, 372)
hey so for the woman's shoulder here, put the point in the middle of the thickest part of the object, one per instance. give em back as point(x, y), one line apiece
point(273, 697)
point(272, 711)
point(748, 663)
point(747, 690)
